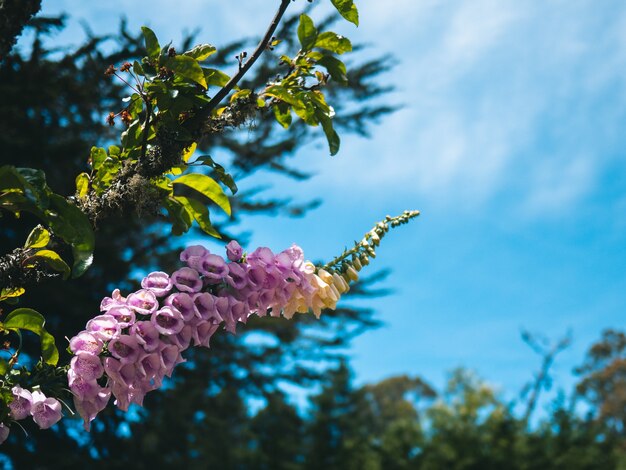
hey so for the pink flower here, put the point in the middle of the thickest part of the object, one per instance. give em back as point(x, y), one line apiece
point(193, 255)
point(86, 342)
point(213, 268)
point(167, 321)
point(89, 409)
point(183, 303)
point(103, 327)
point(237, 276)
point(205, 306)
point(21, 404)
point(187, 280)
point(87, 366)
point(124, 315)
point(81, 388)
point(146, 335)
point(157, 282)
point(234, 252)
point(143, 302)
point(125, 348)
point(45, 411)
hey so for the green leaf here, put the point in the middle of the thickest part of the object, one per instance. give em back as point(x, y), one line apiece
point(329, 130)
point(180, 218)
point(30, 320)
point(208, 187)
point(11, 293)
point(52, 259)
point(282, 113)
point(240, 94)
point(4, 367)
point(189, 152)
point(187, 67)
point(201, 52)
point(39, 237)
point(283, 94)
point(348, 10)
point(152, 44)
point(73, 226)
point(335, 67)
point(219, 171)
point(215, 77)
point(333, 42)
point(307, 32)
point(200, 213)
point(82, 185)
point(97, 156)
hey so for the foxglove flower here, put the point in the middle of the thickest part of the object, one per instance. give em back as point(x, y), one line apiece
point(45, 411)
point(22, 402)
point(158, 282)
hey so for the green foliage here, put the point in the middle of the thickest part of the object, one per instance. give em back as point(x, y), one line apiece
point(348, 10)
point(30, 320)
point(25, 189)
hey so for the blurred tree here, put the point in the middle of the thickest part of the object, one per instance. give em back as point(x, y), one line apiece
point(603, 380)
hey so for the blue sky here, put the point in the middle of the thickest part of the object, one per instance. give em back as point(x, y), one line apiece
point(511, 142)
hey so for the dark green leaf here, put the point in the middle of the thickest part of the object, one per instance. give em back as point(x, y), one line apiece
point(335, 67)
point(348, 10)
point(208, 187)
point(187, 67)
point(72, 225)
point(307, 32)
point(178, 215)
point(152, 44)
point(30, 320)
point(331, 134)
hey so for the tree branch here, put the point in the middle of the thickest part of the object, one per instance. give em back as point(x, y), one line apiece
point(205, 112)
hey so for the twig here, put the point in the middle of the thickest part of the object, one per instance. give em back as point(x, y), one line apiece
point(261, 47)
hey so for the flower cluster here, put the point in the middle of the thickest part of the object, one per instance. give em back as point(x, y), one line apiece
point(138, 340)
point(45, 411)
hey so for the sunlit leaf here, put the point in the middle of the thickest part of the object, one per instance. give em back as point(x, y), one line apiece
point(348, 10)
point(201, 52)
point(152, 44)
point(215, 77)
point(333, 42)
point(39, 237)
point(30, 320)
point(219, 172)
point(11, 293)
point(187, 67)
point(200, 213)
point(189, 152)
point(53, 260)
point(82, 185)
point(282, 112)
point(208, 187)
point(307, 32)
